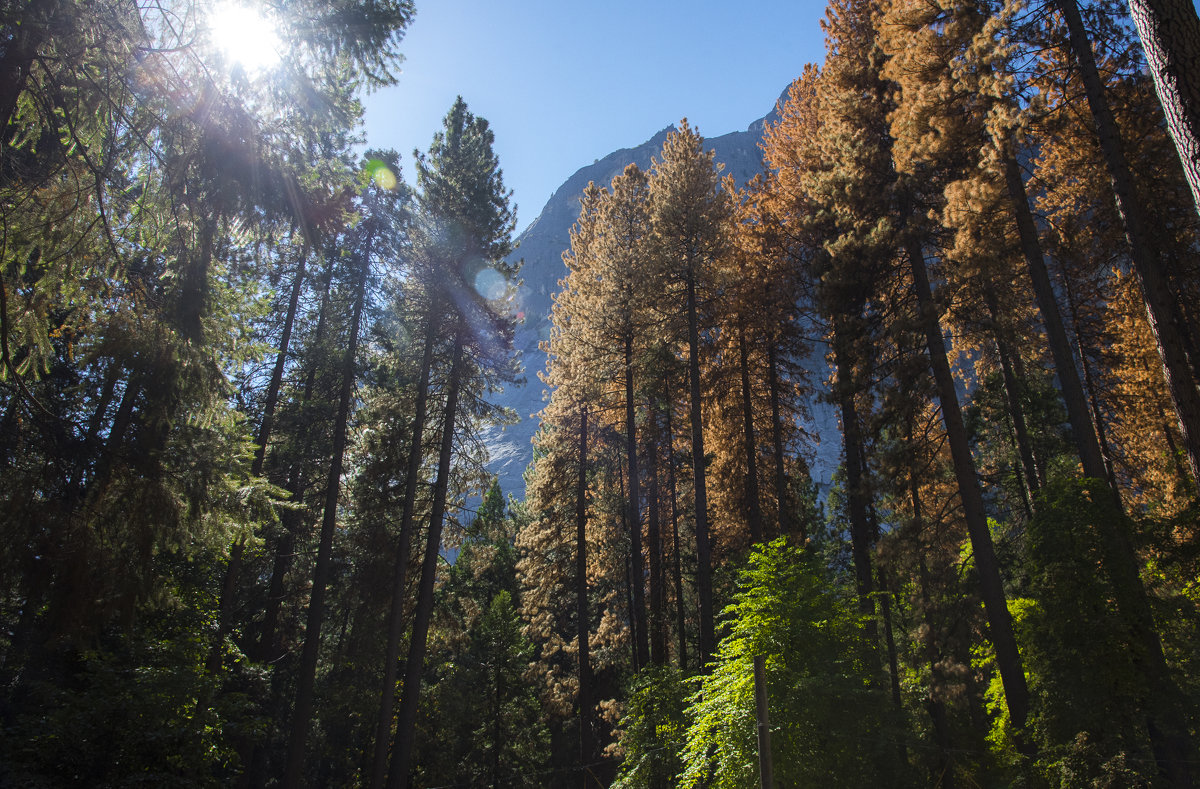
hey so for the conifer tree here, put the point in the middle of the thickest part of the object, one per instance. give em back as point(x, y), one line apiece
point(466, 227)
point(689, 212)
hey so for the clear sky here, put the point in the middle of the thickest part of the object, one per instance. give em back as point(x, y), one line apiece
point(565, 82)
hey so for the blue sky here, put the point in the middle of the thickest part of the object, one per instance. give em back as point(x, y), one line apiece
point(563, 83)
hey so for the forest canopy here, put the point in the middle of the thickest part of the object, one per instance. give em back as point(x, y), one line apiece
point(249, 532)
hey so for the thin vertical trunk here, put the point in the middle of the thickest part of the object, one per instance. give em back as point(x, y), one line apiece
point(1089, 382)
point(587, 747)
point(1169, 740)
point(658, 634)
point(787, 521)
point(302, 713)
point(637, 666)
point(276, 383)
point(766, 777)
point(708, 640)
point(387, 693)
point(1012, 394)
point(933, 703)
point(677, 558)
point(1008, 658)
point(856, 502)
point(1170, 34)
point(1082, 429)
point(634, 517)
point(1161, 308)
point(407, 717)
point(1016, 411)
point(234, 567)
point(753, 507)
point(286, 547)
point(885, 608)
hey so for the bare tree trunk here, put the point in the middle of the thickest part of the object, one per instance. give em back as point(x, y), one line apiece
point(708, 639)
point(387, 693)
point(407, 717)
point(786, 519)
point(766, 773)
point(234, 567)
point(1008, 658)
point(856, 503)
point(587, 746)
point(1082, 429)
point(677, 568)
point(658, 634)
point(302, 713)
point(753, 507)
point(634, 508)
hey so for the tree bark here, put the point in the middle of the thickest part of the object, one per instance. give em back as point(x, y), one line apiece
point(1170, 33)
point(766, 779)
point(234, 567)
point(658, 635)
point(852, 445)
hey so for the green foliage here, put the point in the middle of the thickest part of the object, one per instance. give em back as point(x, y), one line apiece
point(1087, 687)
point(654, 729)
point(126, 712)
point(830, 718)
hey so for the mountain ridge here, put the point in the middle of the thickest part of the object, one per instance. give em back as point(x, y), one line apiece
point(541, 246)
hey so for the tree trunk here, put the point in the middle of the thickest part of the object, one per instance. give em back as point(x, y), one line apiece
point(753, 507)
point(587, 747)
point(1082, 429)
point(852, 444)
point(302, 713)
point(708, 640)
point(407, 717)
point(1008, 658)
point(658, 635)
point(1161, 309)
point(786, 519)
point(1170, 33)
point(634, 517)
point(234, 567)
point(677, 568)
point(1012, 393)
point(766, 779)
point(387, 693)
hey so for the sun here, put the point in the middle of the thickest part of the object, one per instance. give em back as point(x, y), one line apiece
point(244, 36)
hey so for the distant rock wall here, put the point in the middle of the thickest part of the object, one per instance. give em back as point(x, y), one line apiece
point(541, 246)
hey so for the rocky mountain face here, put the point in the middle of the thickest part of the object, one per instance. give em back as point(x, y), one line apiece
point(541, 246)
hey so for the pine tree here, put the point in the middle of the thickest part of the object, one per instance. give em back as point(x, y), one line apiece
point(689, 212)
point(466, 227)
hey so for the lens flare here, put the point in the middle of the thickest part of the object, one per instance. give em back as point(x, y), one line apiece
point(244, 36)
point(381, 174)
point(490, 284)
